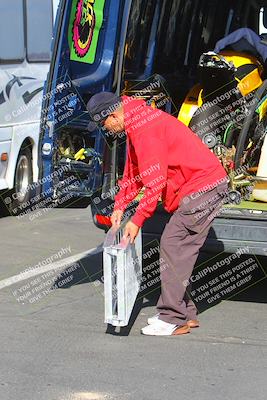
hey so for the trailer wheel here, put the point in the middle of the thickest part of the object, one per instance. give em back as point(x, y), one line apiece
point(21, 194)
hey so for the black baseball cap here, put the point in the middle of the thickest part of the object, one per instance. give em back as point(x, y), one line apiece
point(100, 106)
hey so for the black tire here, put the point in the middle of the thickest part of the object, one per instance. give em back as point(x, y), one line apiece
point(21, 194)
point(243, 136)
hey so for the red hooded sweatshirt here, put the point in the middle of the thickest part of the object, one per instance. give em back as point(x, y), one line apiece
point(165, 157)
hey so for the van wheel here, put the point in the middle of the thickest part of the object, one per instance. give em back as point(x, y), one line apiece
point(21, 193)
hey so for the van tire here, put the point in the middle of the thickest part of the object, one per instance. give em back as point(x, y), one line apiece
point(20, 196)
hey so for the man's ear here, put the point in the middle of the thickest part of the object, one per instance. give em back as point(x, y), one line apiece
point(116, 116)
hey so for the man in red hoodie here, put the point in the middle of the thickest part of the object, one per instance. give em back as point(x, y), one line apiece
point(173, 166)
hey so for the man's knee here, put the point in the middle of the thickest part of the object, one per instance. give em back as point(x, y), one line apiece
point(173, 235)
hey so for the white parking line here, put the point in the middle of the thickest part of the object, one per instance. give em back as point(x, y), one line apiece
point(53, 266)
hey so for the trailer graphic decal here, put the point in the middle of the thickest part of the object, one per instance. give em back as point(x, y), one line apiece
point(17, 80)
point(85, 22)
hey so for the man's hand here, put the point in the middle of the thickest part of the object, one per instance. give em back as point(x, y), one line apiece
point(116, 217)
point(131, 230)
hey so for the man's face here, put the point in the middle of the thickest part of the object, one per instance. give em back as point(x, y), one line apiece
point(115, 122)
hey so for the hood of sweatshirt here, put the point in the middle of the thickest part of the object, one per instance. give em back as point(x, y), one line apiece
point(136, 114)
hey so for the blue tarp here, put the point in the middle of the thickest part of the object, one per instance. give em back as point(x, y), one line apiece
point(243, 33)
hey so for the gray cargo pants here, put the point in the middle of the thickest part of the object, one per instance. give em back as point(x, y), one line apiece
point(180, 243)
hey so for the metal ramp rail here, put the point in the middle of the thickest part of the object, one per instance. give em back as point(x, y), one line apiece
point(122, 263)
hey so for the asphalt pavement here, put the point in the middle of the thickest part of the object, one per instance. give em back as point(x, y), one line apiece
point(55, 345)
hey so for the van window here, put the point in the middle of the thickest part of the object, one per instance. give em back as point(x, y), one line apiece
point(38, 22)
point(12, 47)
point(39, 25)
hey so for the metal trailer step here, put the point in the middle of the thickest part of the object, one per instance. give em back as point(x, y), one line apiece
point(122, 275)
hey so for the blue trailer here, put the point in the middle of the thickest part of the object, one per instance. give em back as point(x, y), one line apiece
point(150, 47)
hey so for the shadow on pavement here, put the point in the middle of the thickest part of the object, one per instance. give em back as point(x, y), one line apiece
point(90, 270)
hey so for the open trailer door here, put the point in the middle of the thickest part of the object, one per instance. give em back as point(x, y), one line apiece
point(84, 62)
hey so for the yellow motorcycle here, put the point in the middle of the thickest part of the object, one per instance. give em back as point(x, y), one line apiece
point(227, 109)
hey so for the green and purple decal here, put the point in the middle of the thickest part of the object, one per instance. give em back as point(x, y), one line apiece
point(85, 22)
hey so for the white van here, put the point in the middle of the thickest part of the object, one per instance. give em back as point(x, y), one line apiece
point(25, 41)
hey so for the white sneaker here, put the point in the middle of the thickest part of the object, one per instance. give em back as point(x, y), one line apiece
point(192, 323)
point(153, 319)
point(161, 328)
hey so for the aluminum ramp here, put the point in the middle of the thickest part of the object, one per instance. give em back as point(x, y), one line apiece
point(122, 275)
